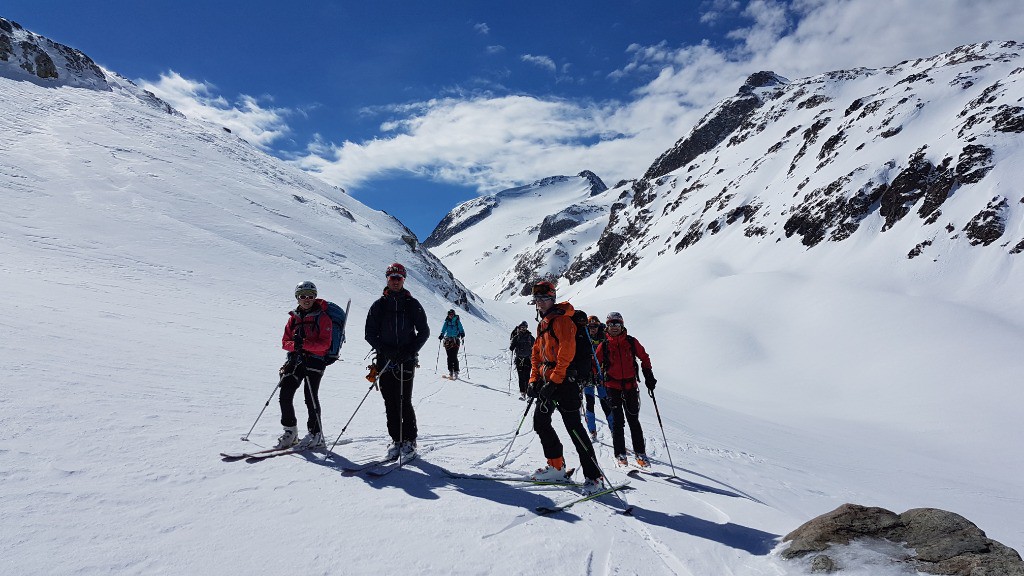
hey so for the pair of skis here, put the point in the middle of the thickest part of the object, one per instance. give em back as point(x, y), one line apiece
point(545, 510)
point(381, 467)
point(385, 466)
point(257, 455)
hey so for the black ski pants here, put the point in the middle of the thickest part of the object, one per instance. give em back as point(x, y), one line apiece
point(523, 367)
point(310, 370)
point(566, 401)
point(451, 350)
point(396, 387)
point(625, 405)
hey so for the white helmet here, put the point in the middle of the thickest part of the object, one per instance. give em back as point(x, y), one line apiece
point(306, 287)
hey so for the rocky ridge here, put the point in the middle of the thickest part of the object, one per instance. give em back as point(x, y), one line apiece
point(924, 144)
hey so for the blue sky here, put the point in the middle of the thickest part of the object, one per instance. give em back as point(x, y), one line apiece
point(414, 106)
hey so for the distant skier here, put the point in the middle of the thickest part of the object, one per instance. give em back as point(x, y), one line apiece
point(521, 345)
point(452, 334)
point(596, 332)
point(396, 327)
point(307, 338)
point(553, 352)
point(618, 355)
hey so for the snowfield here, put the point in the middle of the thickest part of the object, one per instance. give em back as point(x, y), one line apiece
point(146, 270)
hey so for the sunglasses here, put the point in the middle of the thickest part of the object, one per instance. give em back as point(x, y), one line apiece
point(396, 277)
point(306, 296)
point(613, 323)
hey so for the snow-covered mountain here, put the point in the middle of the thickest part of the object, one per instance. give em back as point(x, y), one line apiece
point(103, 155)
point(507, 239)
point(923, 156)
point(146, 267)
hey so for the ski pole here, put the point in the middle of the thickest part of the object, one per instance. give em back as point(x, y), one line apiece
point(401, 411)
point(525, 412)
point(438, 355)
point(246, 437)
point(465, 356)
point(511, 356)
point(372, 386)
point(667, 450)
point(627, 509)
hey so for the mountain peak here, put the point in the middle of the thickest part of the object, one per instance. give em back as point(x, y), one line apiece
point(28, 56)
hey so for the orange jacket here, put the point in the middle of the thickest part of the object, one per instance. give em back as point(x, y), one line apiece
point(555, 346)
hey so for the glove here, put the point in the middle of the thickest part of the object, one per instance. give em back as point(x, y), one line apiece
point(531, 390)
point(547, 390)
point(649, 380)
point(297, 339)
point(288, 366)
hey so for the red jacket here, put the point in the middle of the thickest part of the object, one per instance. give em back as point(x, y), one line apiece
point(315, 327)
point(616, 358)
point(555, 346)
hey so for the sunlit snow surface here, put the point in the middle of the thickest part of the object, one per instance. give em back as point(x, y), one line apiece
point(146, 270)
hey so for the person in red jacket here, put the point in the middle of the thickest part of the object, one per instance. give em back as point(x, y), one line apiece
point(618, 355)
point(307, 338)
point(550, 383)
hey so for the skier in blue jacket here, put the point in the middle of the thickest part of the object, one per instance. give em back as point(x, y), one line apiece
point(453, 335)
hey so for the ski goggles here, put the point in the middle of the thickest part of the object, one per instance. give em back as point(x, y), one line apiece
point(305, 295)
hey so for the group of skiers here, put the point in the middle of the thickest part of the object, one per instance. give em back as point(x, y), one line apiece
point(572, 358)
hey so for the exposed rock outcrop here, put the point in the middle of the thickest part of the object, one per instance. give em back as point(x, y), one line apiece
point(934, 541)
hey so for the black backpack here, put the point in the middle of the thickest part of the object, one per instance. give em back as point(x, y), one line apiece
point(582, 365)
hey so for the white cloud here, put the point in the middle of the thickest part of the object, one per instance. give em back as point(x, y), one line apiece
point(541, 61)
point(246, 117)
point(482, 28)
point(498, 49)
point(498, 142)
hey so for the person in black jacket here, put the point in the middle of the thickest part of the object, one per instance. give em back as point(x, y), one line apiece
point(396, 327)
point(521, 345)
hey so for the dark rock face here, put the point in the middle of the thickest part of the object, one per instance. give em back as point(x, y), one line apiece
point(447, 228)
point(715, 127)
point(596, 184)
point(567, 219)
point(937, 541)
point(37, 62)
point(6, 50)
point(828, 208)
point(988, 225)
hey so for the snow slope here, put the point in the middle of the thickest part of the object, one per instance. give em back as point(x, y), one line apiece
point(146, 269)
point(503, 241)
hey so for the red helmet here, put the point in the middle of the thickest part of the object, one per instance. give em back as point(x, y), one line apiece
point(543, 288)
point(395, 269)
